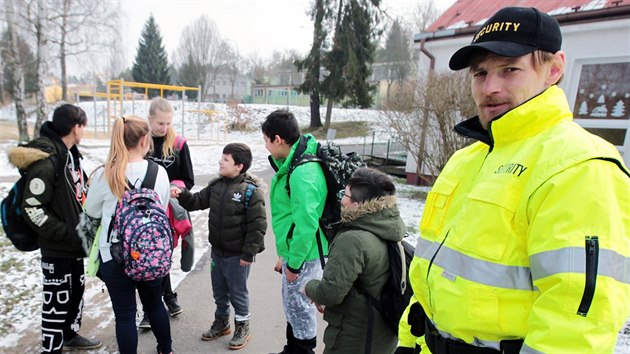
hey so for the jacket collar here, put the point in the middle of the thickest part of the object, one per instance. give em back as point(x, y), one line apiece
point(543, 111)
point(305, 144)
point(369, 207)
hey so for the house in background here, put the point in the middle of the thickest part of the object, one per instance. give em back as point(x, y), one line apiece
point(282, 89)
point(226, 88)
point(596, 40)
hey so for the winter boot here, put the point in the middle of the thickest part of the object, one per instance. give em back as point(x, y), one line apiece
point(145, 324)
point(173, 307)
point(241, 335)
point(220, 327)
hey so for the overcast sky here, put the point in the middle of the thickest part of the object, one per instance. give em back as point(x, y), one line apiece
point(260, 26)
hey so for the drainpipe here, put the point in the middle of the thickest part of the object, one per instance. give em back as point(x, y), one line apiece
point(425, 113)
point(428, 54)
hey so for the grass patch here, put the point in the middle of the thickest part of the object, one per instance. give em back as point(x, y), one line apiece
point(345, 129)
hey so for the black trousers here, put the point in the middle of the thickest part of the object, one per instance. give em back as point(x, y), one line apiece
point(298, 346)
point(167, 289)
point(62, 309)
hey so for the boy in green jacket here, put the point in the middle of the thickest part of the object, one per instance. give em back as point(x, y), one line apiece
point(295, 222)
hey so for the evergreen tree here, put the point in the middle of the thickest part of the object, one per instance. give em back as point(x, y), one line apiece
point(350, 59)
point(347, 56)
point(395, 56)
point(189, 75)
point(151, 63)
point(312, 62)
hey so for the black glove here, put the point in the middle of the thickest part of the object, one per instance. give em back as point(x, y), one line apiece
point(416, 319)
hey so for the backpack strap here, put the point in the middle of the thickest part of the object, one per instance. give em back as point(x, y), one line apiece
point(249, 191)
point(300, 158)
point(179, 143)
point(151, 176)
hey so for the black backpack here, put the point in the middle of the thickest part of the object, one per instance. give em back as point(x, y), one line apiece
point(23, 237)
point(396, 292)
point(337, 168)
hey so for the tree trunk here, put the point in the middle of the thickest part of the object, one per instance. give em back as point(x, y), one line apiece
point(329, 108)
point(64, 74)
point(62, 51)
point(41, 66)
point(319, 35)
point(18, 75)
point(316, 120)
point(2, 64)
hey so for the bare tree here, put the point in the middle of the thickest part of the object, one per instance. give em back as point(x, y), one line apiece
point(217, 64)
point(234, 67)
point(200, 47)
point(2, 67)
point(423, 15)
point(17, 73)
point(423, 113)
point(256, 68)
point(80, 27)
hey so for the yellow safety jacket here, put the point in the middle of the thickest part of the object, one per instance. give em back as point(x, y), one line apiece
point(527, 236)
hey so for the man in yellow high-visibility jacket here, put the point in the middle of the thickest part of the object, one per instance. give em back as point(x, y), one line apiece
point(525, 236)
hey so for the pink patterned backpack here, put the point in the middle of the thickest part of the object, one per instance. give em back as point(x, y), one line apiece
point(141, 235)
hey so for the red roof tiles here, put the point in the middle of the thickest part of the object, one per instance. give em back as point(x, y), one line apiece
point(466, 13)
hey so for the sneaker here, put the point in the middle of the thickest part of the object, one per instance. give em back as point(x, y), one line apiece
point(241, 335)
point(81, 343)
point(145, 324)
point(173, 307)
point(220, 327)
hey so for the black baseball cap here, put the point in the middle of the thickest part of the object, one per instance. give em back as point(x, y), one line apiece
point(512, 32)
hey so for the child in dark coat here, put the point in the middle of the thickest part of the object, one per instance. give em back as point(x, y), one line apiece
point(237, 223)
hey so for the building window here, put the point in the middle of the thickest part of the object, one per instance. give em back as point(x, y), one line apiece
point(603, 91)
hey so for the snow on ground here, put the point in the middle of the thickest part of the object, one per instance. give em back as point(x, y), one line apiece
point(20, 289)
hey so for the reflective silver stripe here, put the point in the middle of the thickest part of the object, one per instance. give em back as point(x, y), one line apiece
point(457, 264)
point(572, 260)
point(476, 342)
point(422, 246)
point(526, 349)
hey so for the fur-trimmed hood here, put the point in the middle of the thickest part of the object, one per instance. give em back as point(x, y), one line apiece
point(379, 216)
point(23, 156)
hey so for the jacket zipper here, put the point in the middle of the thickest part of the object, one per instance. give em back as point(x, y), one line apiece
point(220, 226)
point(431, 265)
point(592, 260)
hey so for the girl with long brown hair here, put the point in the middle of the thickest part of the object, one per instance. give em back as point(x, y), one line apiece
point(125, 164)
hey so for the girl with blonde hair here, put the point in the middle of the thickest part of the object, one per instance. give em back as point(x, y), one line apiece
point(171, 152)
point(125, 164)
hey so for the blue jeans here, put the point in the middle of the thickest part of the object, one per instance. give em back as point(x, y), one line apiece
point(229, 285)
point(122, 292)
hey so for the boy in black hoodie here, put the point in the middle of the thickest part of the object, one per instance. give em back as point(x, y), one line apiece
point(55, 190)
point(237, 222)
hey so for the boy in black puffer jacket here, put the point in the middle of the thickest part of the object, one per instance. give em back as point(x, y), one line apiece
point(237, 222)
